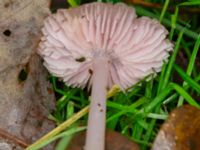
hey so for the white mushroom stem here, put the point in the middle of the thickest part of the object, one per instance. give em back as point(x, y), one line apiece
point(95, 136)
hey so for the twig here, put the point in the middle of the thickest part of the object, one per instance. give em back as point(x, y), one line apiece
point(13, 138)
point(158, 6)
point(145, 4)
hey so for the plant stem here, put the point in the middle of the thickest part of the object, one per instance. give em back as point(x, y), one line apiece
point(95, 136)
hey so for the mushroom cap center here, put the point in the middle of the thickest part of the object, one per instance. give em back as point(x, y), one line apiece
point(108, 54)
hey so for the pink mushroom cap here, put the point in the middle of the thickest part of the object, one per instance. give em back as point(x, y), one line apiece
point(74, 37)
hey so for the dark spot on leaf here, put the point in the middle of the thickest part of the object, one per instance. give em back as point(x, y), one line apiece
point(40, 123)
point(107, 88)
point(90, 71)
point(99, 104)
point(22, 75)
point(101, 110)
point(7, 32)
point(6, 5)
point(81, 59)
point(50, 90)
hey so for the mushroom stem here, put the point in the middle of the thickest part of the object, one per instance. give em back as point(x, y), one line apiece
point(95, 136)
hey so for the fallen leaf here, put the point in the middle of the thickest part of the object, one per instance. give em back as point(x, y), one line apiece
point(25, 97)
point(114, 141)
point(181, 131)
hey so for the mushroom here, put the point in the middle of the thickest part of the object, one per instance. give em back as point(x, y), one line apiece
point(100, 45)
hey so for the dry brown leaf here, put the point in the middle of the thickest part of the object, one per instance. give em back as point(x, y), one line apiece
point(181, 131)
point(25, 103)
point(114, 141)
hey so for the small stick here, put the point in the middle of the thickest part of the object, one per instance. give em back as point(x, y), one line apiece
point(158, 6)
point(13, 138)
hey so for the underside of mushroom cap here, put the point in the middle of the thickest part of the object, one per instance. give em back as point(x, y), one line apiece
point(73, 38)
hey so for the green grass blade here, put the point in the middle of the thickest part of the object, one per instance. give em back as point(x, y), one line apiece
point(157, 116)
point(72, 3)
point(64, 142)
point(187, 79)
point(173, 23)
point(183, 93)
point(190, 66)
point(131, 108)
point(157, 100)
point(148, 90)
point(161, 78)
point(66, 133)
point(164, 10)
point(193, 57)
point(171, 61)
point(193, 3)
